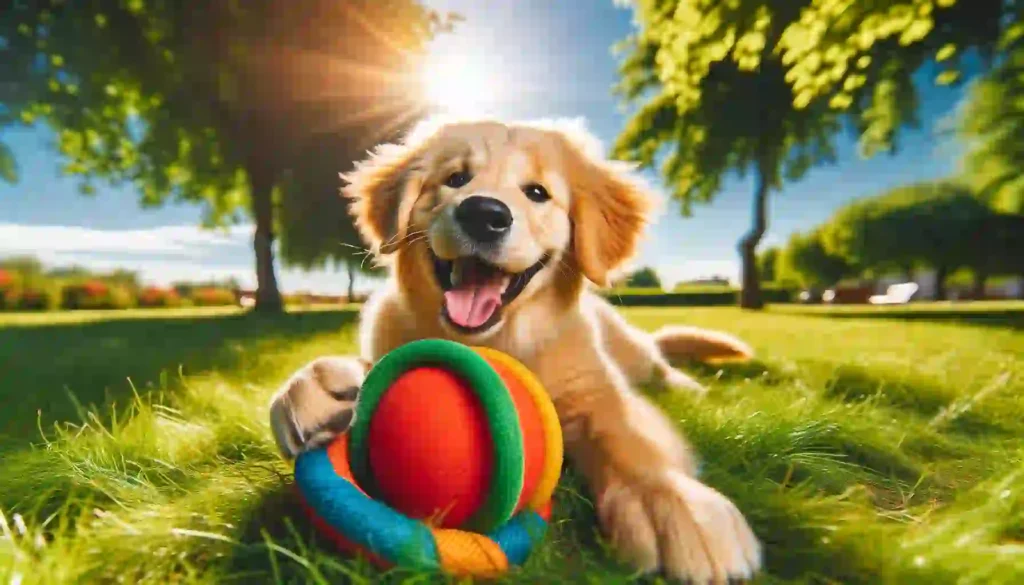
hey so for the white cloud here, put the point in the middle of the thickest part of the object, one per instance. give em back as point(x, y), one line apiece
point(167, 254)
point(175, 240)
point(163, 255)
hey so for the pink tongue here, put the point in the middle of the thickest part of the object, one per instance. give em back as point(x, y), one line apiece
point(472, 305)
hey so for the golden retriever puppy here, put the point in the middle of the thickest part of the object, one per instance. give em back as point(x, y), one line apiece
point(492, 232)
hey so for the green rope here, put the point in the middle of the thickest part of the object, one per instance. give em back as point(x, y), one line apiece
point(499, 409)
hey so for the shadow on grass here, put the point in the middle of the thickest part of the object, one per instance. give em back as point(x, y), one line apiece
point(732, 372)
point(915, 395)
point(1003, 318)
point(45, 369)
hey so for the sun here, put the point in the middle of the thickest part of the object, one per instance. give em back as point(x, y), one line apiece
point(458, 81)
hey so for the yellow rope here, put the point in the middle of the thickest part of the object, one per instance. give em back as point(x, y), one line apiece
point(467, 553)
point(549, 421)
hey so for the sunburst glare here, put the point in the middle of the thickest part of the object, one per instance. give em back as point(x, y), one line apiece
point(459, 79)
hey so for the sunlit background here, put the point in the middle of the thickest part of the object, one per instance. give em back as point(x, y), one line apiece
point(518, 60)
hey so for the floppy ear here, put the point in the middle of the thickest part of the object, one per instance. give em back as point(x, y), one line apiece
point(610, 208)
point(382, 190)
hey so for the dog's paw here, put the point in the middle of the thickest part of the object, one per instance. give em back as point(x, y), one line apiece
point(677, 380)
point(316, 404)
point(683, 528)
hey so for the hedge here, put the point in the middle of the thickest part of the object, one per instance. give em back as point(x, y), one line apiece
point(213, 297)
point(698, 298)
point(153, 296)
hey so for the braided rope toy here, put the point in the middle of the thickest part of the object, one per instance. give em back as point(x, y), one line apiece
point(343, 486)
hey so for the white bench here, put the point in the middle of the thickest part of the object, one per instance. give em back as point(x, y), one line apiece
point(897, 294)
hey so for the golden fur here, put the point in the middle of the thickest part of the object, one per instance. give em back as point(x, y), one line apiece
point(589, 358)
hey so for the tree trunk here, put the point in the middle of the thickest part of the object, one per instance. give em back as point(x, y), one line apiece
point(750, 291)
point(978, 289)
point(261, 184)
point(940, 283)
point(351, 281)
point(908, 274)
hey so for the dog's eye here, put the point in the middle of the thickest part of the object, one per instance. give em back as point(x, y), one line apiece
point(536, 193)
point(457, 179)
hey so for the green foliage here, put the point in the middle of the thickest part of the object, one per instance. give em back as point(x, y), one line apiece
point(992, 128)
point(767, 262)
point(939, 225)
point(716, 100)
point(42, 298)
point(860, 57)
point(212, 106)
point(645, 277)
point(695, 66)
point(317, 229)
point(213, 297)
point(153, 296)
point(8, 166)
point(807, 261)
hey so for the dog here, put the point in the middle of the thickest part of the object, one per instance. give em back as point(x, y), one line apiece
point(495, 234)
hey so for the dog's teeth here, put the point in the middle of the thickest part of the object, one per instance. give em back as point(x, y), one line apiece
point(456, 273)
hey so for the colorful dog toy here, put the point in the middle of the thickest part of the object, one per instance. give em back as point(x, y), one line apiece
point(450, 463)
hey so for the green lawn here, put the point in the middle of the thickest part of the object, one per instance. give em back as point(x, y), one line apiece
point(868, 446)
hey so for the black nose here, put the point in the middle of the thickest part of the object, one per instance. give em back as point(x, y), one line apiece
point(484, 219)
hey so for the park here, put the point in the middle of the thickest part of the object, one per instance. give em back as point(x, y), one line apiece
point(176, 248)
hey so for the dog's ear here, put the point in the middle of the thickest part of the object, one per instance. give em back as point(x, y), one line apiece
point(382, 190)
point(610, 209)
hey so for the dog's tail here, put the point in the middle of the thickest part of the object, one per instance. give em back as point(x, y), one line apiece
point(678, 343)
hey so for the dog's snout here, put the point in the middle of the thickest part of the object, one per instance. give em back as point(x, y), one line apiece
point(484, 219)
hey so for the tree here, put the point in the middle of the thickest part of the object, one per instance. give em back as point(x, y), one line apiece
point(716, 100)
point(862, 56)
point(992, 127)
point(645, 277)
point(317, 228)
point(806, 260)
point(998, 240)
point(766, 264)
point(212, 106)
point(937, 224)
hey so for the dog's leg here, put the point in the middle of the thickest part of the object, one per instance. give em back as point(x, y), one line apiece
point(636, 352)
point(641, 472)
point(316, 403)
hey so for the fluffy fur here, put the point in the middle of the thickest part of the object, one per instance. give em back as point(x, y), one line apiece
point(641, 472)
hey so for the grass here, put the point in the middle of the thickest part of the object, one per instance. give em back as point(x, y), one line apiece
point(867, 446)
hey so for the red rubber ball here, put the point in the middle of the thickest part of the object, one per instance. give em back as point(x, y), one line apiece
point(430, 449)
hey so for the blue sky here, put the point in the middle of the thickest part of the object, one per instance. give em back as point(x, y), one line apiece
point(551, 58)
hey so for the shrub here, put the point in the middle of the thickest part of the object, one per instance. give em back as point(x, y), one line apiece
point(153, 296)
point(9, 289)
point(38, 299)
point(95, 294)
point(213, 297)
point(120, 297)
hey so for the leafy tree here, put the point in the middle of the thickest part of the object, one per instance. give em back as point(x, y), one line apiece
point(806, 260)
point(998, 241)
point(862, 56)
point(766, 264)
point(716, 100)
point(645, 277)
point(317, 227)
point(213, 106)
point(25, 265)
point(939, 225)
point(992, 127)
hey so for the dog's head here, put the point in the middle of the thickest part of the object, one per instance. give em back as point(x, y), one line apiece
point(481, 216)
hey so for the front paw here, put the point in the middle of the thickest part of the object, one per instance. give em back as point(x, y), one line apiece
point(316, 404)
point(682, 527)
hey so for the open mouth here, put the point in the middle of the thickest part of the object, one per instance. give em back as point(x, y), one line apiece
point(475, 291)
